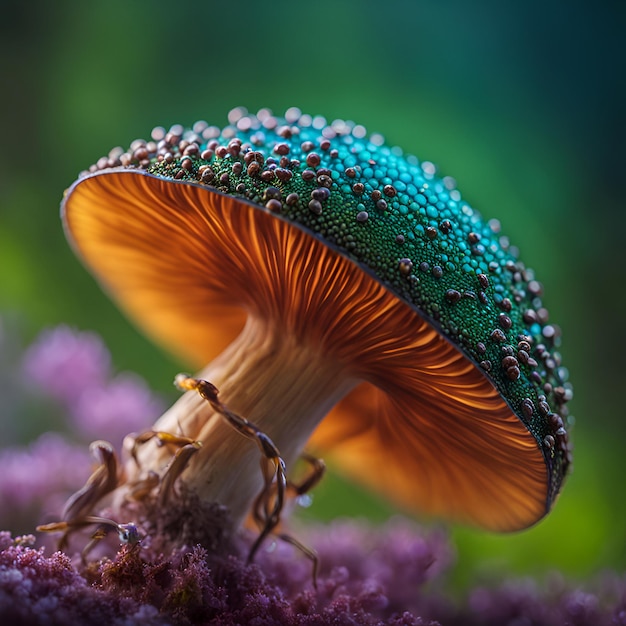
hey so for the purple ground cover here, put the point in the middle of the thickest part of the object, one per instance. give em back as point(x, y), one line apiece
point(395, 573)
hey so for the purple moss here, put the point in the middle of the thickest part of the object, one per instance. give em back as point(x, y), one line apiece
point(36, 589)
point(389, 575)
point(386, 568)
point(393, 574)
point(190, 586)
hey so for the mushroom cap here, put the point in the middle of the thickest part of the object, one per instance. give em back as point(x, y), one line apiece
point(367, 254)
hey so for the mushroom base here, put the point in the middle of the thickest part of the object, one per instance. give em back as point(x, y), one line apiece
point(275, 381)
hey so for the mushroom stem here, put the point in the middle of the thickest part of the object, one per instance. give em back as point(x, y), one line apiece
point(279, 383)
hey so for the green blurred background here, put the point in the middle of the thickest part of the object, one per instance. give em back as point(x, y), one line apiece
point(523, 103)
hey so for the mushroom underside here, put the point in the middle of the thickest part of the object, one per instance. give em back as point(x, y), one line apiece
point(415, 419)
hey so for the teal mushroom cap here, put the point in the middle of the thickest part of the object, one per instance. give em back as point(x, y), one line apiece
point(457, 399)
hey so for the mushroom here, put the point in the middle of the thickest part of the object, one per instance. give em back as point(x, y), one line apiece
point(346, 298)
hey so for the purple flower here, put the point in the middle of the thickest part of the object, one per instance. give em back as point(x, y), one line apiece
point(122, 405)
point(64, 363)
point(36, 480)
point(74, 368)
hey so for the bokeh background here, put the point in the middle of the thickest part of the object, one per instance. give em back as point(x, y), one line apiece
point(523, 103)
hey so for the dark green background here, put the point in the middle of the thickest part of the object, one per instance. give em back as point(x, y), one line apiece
point(523, 103)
